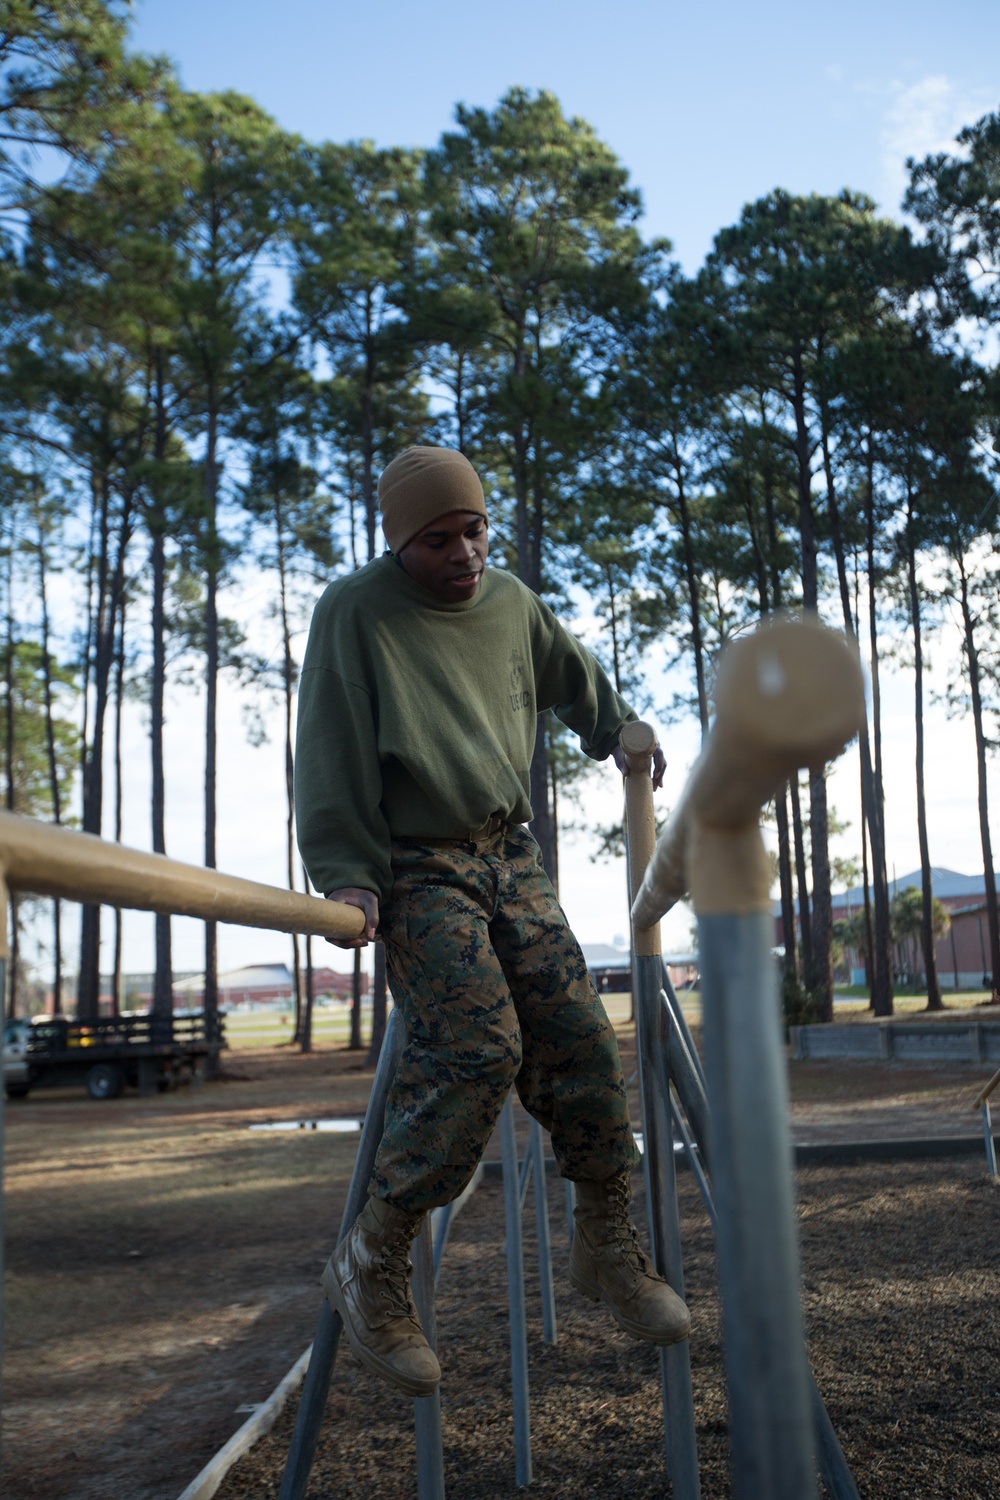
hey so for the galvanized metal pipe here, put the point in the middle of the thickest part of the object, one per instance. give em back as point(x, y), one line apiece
point(639, 742)
point(833, 1465)
point(679, 1023)
point(443, 1218)
point(664, 1228)
point(693, 1158)
point(515, 1299)
point(684, 1070)
point(991, 1155)
point(316, 1386)
point(3, 1111)
point(536, 1151)
point(427, 1409)
point(771, 1423)
point(790, 695)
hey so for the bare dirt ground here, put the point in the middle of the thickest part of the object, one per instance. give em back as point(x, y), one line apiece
point(162, 1271)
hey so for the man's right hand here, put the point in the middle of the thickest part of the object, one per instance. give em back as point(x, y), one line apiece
point(353, 895)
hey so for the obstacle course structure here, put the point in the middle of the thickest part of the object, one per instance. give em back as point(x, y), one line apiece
point(788, 696)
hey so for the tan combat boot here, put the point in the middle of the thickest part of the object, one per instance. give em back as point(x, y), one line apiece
point(367, 1281)
point(608, 1265)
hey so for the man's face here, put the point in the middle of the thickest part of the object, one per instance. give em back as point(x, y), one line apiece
point(449, 555)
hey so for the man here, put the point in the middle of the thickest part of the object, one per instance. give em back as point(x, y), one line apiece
point(420, 687)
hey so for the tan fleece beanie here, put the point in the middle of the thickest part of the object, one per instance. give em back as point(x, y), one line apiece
point(422, 484)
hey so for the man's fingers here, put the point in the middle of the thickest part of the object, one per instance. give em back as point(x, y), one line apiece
point(366, 902)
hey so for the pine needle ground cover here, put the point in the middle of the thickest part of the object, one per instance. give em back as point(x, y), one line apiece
point(163, 1264)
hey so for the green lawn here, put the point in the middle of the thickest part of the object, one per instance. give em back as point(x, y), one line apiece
point(269, 1028)
point(331, 1023)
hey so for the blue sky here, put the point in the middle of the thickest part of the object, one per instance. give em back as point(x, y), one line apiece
point(709, 106)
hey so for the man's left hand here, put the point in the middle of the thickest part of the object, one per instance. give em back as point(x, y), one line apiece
point(658, 767)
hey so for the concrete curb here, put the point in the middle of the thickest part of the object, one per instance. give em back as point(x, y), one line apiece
point(899, 1149)
point(254, 1428)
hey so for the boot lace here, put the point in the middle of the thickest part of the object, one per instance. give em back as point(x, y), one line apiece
point(394, 1271)
point(623, 1231)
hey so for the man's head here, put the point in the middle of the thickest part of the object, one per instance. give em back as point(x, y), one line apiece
point(434, 519)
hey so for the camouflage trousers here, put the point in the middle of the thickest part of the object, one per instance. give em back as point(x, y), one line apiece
point(494, 991)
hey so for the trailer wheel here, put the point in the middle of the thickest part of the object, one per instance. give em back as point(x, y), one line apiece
point(105, 1081)
point(17, 1090)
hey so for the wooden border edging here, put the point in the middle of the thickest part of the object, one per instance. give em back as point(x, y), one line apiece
point(243, 1439)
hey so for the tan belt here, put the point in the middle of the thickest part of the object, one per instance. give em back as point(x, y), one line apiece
point(489, 830)
point(490, 827)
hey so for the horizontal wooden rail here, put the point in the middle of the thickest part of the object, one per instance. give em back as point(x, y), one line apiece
point(790, 695)
point(50, 861)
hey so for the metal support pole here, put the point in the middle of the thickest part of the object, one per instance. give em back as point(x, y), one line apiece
point(536, 1151)
point(680, 1024)
point(685, 1072)
point(3, 1110)
point(833, 1465)
point(693, 1159)
point(664, 1227)
point(639, 742)
point(524, 1179)
point(427, 1409)
point(316, 1386)
point(443, 1218)
point(991, 1155)
point(515, 1297)
point(767, 1373)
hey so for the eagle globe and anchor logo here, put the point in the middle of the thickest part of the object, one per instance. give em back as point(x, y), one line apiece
point(520, 697)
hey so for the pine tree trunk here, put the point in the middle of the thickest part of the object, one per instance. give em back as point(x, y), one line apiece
point(805, 914)
point(529, 567)
point(211, 991)
point(110, 593)
point(308, 1016)
point(163, 992)
point(379, 1004)
point(89, 984)
point(874, 804)
point(818, 961)
point(116, 967)
point(819, 974)
point(50, 752)
point(791, 964)
point(989, 878)
point(11, 797)
point(769, 592)
point(881, 969)
point(869, 934)
point(693, 599)
point(354, 1045)
point(934, 1001)
point(288, 685)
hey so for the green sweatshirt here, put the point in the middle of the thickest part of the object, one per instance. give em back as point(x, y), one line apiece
point(417, 717)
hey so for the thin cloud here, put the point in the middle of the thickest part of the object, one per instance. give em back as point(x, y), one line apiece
point(922, 118)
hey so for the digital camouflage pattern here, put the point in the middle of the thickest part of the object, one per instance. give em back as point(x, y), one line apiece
point(494, 991)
